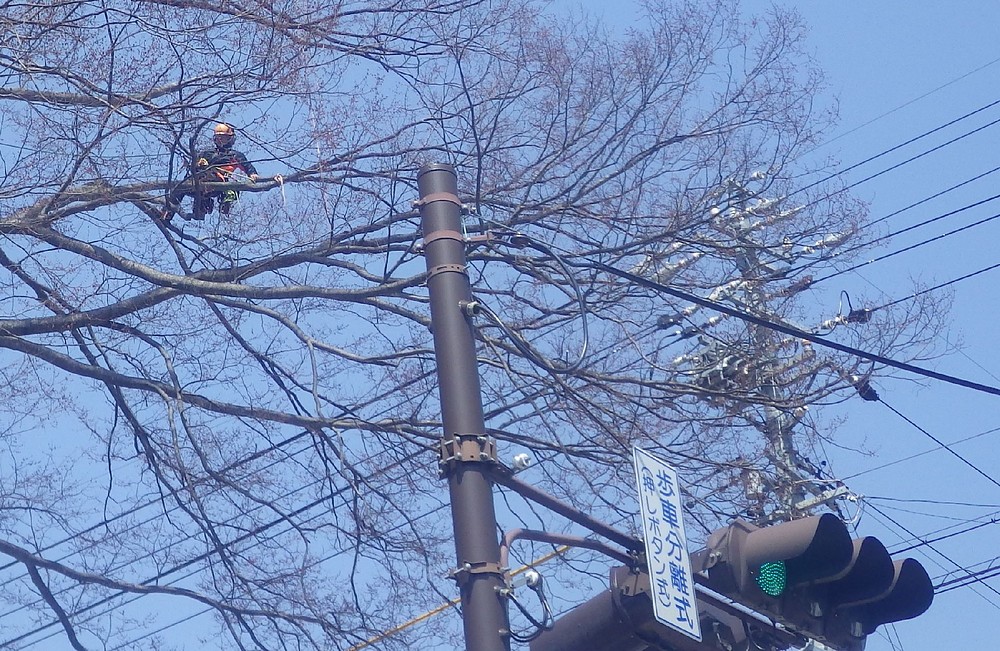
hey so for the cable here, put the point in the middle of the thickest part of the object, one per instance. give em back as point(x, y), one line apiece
point(249, 535)
point(908, 248)
point(907, 103)
point(788, 330)
point(933, 196)
point(920, 454)
point(936, 502)
point(526, 349)
point(134, 510)
point(969, 579)
point(903, 144)
point(928, 541)
point(942, 444)
point(937, 287)
point(926, 222)
point(938, 552)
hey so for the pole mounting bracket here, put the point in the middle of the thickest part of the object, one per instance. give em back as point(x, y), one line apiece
point(466, 447)
point(463, 574)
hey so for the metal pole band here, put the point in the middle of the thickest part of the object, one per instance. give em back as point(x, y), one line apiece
point(438, 196)
point(443, 268)
point(443, 234)
point(463, 574)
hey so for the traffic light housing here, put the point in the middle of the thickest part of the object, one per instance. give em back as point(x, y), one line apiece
point(810, 576)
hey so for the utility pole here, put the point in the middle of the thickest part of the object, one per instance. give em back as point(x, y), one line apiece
point(793, 486)
point(466, 452)
point(780, 448)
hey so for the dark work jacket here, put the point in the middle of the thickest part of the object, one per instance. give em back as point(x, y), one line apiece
point(217, 165)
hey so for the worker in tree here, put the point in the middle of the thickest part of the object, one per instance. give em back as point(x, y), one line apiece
point(212, 166)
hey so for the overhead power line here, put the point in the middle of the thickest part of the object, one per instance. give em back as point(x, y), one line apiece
point(909, 102)
point(946, 447)
point(904, 144)
point(190, 562)
point(960, 568)
point(789, 330)
point(909, 248)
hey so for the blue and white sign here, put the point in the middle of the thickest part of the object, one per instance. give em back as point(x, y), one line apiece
point(671, 583)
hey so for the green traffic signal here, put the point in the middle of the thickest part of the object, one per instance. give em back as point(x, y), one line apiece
point(772, 578)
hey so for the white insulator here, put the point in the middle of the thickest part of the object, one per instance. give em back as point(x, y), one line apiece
point(521, 461)
point(666, 272)
point(722, 291)
point(762, 205)
point(641, 268)
point(827, 242)
point(830, 324)
point(791, 212)
point(836, 239)
point(714, 321)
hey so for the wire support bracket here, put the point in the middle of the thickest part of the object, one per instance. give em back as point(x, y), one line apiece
point(462, 448)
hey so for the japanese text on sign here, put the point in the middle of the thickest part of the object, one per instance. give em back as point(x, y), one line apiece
point(674, 602)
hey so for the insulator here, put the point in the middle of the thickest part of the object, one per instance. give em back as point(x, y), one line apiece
point(666, 272)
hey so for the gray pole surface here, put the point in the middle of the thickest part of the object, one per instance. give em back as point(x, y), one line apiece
point(466, 451)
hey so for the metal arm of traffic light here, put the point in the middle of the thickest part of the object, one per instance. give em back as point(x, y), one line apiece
point(621, 619)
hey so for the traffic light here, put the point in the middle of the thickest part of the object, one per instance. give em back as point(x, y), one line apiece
point(811, 577)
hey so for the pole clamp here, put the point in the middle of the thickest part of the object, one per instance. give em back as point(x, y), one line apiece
point(438, 196)
point(464, 574)
point(445, 268)
point(467, 447)
point(443, 234)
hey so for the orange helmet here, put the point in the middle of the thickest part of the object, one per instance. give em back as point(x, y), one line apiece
point(224, 135)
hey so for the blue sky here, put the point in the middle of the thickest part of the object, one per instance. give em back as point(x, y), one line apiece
point(898, 70)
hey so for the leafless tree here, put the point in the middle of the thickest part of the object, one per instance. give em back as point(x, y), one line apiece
point(256, 393)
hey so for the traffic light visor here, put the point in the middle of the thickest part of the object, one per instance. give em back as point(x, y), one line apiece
point(812, 549)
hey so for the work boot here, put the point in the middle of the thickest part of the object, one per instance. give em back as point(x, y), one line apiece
point(202, 207)
point(229, 197)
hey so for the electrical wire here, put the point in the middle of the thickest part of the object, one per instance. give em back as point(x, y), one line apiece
point(249, 535)
point(522, 345)
point(788, 330)
point(993, 430)
point(943, 445)
point(937, 287)
point(904, 144)
point(970, 578)
point(135, 510)
point(924, 540)
point(947, 558)
point(908, 103)
point(906, 249)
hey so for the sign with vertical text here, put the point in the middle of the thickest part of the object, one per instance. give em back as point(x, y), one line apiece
point(671, 582)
